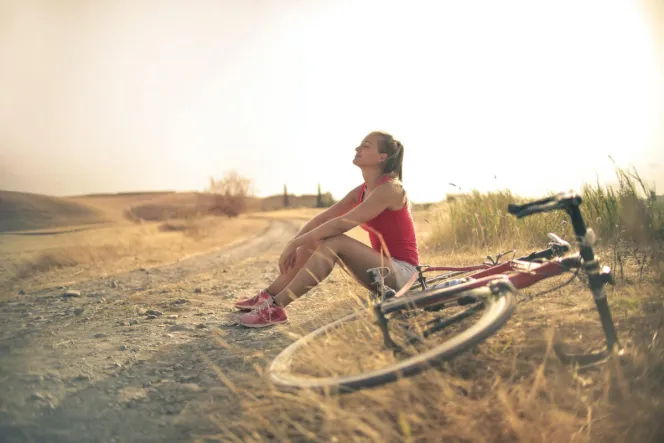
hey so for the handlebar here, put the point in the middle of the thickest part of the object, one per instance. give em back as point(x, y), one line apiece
point(559, 201)
point(597, 277)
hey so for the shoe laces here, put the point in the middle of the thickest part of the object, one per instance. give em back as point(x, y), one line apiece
point(264, 305)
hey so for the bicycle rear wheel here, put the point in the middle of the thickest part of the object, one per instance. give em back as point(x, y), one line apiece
point(326, 359)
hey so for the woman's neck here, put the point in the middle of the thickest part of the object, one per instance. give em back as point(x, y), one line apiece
point(371, 177)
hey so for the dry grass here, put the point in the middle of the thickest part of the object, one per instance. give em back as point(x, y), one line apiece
point(29, 261)
point(510, 388)
point(625, 215)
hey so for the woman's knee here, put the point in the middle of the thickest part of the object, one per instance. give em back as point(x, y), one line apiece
point(335, 240)
point(304, 252)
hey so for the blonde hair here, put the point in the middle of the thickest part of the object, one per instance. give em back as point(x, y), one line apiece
point(387, 144)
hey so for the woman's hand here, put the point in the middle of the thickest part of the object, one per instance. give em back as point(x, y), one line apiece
point(287, 259)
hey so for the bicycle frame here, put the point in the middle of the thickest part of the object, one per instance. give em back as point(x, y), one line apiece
point(519, 274)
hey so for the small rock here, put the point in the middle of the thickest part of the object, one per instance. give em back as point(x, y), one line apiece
point(39, 396)
point(179, 301)
point(123, 323)
point(201, 326)
point(78, 311)
point(173, 317)
point(151, 317)
point(100, 335)
point(172, 409)
point(197, 290)
point(71, 293)
point(81, 377)
point(116, 365)
point(21, 292)
point(228, 324)
point(154, 312)
point(35, 378)
point(132, 394)
point(180, 327)
point(123, 347)
point(114, 284)
point(101, 300)
point(193, 387)
point(218, 391)
point(39, 317)
point(142, 269)
point(141, 311)
point(133, 321)
point(187, 378)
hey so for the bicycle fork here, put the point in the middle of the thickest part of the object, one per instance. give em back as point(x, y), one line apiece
point(597, 278)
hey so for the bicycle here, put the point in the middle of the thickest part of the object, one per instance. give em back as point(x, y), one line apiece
point(491, 288)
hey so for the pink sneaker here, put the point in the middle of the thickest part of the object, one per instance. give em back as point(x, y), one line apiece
point(250, 303)
point(266, 315)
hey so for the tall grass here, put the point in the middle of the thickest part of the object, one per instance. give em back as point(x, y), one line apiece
point(511, 388)
point(626, 213)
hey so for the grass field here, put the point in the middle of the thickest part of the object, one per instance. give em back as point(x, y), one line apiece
point(510, 388)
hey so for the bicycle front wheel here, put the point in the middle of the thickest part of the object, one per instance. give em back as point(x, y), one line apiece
point(329, 360)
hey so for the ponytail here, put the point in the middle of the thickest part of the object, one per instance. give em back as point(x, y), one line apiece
point(394, 163)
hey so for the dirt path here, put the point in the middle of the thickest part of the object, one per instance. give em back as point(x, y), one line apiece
point(129, 358)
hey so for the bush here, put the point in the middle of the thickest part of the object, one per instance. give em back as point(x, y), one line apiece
point(229, 195)
point(626, 215)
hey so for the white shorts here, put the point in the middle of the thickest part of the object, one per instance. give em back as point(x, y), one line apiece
point(403, 272)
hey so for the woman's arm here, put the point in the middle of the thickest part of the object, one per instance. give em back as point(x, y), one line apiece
point(338, 209)
point(377, 201)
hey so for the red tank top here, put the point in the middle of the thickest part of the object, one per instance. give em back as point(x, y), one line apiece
point(396, 228)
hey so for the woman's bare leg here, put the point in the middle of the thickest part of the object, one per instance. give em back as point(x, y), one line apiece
point(302, 255)
point(356, 256)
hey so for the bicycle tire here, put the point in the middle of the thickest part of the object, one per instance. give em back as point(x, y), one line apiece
point(496, 312)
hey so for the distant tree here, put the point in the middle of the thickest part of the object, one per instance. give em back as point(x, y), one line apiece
point(319, 198)
point(229, 194)
point(286, 200)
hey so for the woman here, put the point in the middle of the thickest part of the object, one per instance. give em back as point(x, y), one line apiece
point(379, 205)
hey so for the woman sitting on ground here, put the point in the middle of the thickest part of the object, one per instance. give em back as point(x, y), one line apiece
point(379, 205)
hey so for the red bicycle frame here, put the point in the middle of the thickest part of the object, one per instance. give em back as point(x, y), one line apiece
point(520, 273)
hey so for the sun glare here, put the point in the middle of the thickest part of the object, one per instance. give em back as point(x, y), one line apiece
point(489, 95)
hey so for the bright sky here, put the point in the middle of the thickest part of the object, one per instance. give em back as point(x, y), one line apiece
point(110, 96)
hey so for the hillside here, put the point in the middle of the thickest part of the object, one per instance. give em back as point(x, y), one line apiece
point(24, 211)
point(114, 205)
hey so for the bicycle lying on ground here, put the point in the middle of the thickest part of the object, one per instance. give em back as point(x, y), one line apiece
point(490, 289)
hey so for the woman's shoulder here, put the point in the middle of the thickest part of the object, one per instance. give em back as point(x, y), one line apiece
point(395, 187)
point(392, 182)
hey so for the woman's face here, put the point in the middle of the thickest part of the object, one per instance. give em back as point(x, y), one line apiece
point(367, 155)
